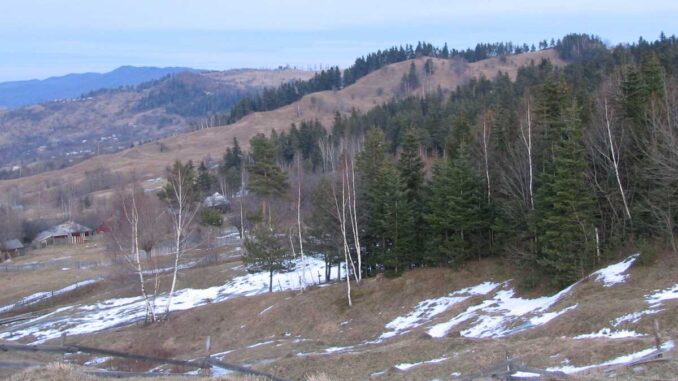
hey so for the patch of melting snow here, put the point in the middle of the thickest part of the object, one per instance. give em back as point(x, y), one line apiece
point(408, 366)
point(655, 299)
point(266, 309)
point(503, 315)
point(610, 334)
point(339, 349)
point(261, 344)
point(625, 359)
point(633, 317)
point(97, 361)
point(659, 296)
point(521, 374)
point(614, 274)
point(221, 355)
point(426, 310)
point(44, 295)
point(122, 311)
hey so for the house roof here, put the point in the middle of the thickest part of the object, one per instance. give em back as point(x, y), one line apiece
point(12, 244)
point(67, 228)
point(217, 199)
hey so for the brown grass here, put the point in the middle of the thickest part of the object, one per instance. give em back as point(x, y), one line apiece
point(318, 318)
point(66, 372)
point(311, 321)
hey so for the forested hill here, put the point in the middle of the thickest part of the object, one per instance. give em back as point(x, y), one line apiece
point(332, 78)
point(54, 134)
point(552, 171)
point(20, 93)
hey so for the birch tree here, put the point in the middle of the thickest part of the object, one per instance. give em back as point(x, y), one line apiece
point(134, 231)
point(180, 195)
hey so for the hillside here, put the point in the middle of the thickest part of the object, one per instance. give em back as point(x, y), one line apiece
point(54, 134)
point(149, 160)
point(21, 93)
point(427, 324)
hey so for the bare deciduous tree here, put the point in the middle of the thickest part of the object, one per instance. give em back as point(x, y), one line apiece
point(182, 210)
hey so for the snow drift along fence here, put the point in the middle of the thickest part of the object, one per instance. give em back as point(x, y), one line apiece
point(205, 363)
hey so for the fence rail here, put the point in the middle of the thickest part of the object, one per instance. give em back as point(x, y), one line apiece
point(54, 264)
point(205, 363)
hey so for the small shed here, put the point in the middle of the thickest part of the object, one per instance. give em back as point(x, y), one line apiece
point(10, 248)
point(69, 232)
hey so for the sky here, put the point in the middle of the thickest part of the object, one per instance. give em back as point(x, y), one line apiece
point(43, 38)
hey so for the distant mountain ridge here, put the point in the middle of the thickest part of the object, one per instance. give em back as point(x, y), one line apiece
point(20, 93)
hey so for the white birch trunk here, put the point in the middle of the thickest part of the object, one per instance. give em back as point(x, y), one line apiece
point(614, 157)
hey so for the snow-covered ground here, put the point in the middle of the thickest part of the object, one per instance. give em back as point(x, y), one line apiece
point(607, 333)
point(625, 359)
point(84, 319)
point(655, 300)
point(615, 274)
point(44, 295)
point(407, 366)
point(502, 313)
point(430, 308)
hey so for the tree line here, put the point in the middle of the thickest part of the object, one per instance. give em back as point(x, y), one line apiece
point(333, 78)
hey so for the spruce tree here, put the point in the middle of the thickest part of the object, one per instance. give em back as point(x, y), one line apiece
point(264, 251)
point(204, 180)
point(266, 180)
point(411, 171)
point(456, 211)
point(564, 210)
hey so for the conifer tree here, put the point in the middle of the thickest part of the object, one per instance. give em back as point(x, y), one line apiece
point(564, 210)
point(204, 180)
point(411, 173)
point(265, 252)
point(456, 211)
point(267, 180)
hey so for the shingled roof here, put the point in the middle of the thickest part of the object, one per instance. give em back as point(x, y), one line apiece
point(65, 229)
point(12, 244)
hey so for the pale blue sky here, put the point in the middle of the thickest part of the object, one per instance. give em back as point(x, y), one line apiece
point(41, 38)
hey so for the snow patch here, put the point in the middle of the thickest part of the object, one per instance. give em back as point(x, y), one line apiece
point(625, 359)
point(44, 295)
point(426, 310)
point(660, 296)
point(633, 317)
point(610, 334)
point(521, 374)
point(408, 366)
point(503, 315)
point(85, 319)
point(614, 274)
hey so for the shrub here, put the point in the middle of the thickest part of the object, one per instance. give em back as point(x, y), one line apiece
point(211, 217)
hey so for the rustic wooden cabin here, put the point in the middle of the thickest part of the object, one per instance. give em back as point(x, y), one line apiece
point(10, 248)
point(69, 232)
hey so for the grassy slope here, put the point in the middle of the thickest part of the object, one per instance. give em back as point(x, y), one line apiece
point(312, 321)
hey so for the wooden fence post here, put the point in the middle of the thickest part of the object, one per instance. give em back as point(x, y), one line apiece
point(657, 338)
point(208, 349)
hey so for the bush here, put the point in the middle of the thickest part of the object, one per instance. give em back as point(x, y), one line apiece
point(648, 253)
point(211, 217)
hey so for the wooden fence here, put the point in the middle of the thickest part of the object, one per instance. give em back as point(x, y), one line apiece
point(206, 364)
